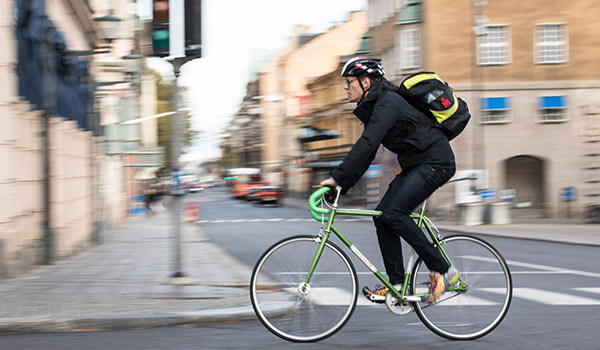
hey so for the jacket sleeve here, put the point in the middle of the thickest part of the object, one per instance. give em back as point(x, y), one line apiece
point(384, 116)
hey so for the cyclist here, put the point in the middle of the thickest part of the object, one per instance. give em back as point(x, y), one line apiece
point(426, 159)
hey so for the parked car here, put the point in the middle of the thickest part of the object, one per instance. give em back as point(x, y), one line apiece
point(253, 193)
point(268, 194)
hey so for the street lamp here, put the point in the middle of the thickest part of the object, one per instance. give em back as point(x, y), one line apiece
point(133, 68)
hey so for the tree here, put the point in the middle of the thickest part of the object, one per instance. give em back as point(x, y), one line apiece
point(164, 95)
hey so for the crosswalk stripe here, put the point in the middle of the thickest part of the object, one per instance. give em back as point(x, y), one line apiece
point(547, 297)
point(548, 269)
point(337, 297)
point(588, 290)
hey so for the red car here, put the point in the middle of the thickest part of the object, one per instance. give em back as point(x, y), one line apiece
point(268, 194)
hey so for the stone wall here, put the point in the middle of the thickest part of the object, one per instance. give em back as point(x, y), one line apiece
point(21, 187)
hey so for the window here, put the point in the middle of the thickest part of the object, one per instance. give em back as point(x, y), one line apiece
point(495, 110)
point(551, 44)
point(493, 47)
point(552, 109)
point(410, 43)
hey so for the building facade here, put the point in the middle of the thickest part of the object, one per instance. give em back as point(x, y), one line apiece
point(285, 100)
point(531, 81)
point(62, 69)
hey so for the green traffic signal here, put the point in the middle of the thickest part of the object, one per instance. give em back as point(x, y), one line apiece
point(160, 40)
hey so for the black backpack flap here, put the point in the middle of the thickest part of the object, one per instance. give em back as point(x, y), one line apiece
point(453, 126)
point(427, 92)
point(430, 94)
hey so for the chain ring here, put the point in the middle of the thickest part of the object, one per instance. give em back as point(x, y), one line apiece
point(391, 301)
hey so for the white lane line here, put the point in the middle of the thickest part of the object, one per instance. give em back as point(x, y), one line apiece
point(595, 290)
point(546, 297)
point(540, 267)
point(336, 296)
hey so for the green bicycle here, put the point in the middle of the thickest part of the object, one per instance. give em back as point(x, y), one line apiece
point(305, 288)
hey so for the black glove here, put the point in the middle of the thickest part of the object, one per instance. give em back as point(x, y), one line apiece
point(330, 196)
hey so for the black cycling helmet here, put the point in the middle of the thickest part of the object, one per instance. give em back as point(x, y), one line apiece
point(358, 66)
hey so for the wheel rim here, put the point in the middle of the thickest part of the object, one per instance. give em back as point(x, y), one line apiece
point(477, 311)
point(295, 312)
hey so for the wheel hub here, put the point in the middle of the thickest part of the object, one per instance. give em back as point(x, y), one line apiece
point(303, 288)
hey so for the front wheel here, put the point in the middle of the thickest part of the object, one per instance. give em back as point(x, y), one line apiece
point(293, 310)
point(478, 302)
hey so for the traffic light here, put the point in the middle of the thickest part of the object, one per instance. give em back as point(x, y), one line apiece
point(163, 35)
point(160, 27)
point(193, 38)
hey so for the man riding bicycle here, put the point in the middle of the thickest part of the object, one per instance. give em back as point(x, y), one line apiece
point(427, 162)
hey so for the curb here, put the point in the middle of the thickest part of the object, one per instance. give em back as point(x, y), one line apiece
point(545, 239)
point(97, 324)
point(129, 322)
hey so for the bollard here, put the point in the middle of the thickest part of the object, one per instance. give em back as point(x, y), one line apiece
point(500, 213)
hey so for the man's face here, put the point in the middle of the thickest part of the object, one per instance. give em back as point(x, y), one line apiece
point(353, 88)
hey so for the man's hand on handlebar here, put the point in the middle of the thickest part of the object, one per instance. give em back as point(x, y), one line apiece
point(330, 195)
point(329, 182)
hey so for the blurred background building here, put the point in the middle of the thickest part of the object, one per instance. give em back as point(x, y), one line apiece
point(529, 77)
point(73, 76)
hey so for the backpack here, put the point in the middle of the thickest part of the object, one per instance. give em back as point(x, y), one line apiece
point(428, 93)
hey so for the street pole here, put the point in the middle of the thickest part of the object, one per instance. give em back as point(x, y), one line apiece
point(177, 58)
point(177, 192)
point(175, 170)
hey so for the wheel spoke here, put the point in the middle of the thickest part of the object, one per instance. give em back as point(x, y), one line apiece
point(312, 315)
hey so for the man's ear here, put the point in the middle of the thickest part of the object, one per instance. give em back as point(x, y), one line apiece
point(366, 82)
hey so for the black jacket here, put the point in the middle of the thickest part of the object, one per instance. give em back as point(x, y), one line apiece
point(391, 121)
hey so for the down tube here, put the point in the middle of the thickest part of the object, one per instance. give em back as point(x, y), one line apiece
point(366, 261)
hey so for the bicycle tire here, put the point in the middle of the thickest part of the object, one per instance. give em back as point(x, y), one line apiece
point(477, 311)
point(284, 309)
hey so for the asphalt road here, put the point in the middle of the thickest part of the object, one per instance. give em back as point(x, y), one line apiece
point(555, 306)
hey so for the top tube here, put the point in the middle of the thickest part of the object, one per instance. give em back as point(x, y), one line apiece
point(316, 199)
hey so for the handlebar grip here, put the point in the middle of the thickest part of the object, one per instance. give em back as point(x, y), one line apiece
point(314, 200)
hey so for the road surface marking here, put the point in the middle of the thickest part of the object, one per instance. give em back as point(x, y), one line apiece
point(588, 290)
point(546, 297)
point(550, 269)
point(334, 296)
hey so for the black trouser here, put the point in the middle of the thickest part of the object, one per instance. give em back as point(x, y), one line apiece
point(408, 190)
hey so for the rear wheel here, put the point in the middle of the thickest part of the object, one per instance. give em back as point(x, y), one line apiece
point(478, 302)
point(288, 307)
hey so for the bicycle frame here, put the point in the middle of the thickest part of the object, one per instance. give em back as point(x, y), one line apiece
point(422, 220)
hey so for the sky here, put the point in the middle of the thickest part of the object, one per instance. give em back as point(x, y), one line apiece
point(233, 32)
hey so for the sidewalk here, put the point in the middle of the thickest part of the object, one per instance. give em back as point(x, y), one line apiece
point(124, 283)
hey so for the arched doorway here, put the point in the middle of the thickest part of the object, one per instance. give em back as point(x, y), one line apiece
point(525, 174)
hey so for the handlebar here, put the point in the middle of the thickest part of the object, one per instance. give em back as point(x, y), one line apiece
point(315, 200)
